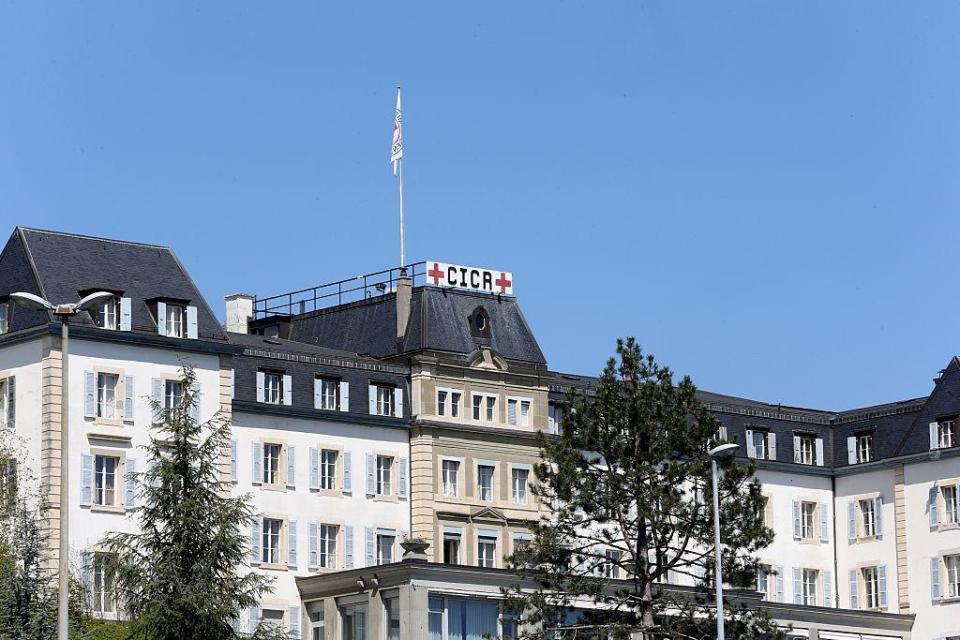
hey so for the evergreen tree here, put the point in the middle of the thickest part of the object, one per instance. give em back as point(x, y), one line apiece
point(181, 576)
point(628, 490)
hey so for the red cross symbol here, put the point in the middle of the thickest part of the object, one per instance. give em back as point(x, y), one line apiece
point(435, 273)
point(502, 282)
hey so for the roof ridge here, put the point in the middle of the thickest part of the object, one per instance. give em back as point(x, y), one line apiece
point(98, 238)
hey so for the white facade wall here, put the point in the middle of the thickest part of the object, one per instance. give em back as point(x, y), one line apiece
point(22, 361)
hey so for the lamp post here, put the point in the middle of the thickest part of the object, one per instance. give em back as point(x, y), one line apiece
point(719, 453)
point(64, 312)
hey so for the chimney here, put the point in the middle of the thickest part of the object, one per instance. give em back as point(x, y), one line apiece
point(239, 312)
point(404, 293)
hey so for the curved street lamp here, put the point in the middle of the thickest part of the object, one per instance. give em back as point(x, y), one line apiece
point(64, 311)
point(721, 452)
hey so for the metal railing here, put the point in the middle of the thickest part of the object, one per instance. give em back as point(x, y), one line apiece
point(336, 293)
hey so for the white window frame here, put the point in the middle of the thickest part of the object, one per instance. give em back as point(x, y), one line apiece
point(809, 586)
point(107, 314)
point(104, 601)
point(329, 394)
point(868, 517)
point(449, 402)
point(760, 444)
point(808, 449)
point(487, 407)
point(946, 433)
point(269, 467)
point(176, 320)
point(808, 526)
point(103, 396)
point(328, 469)
point(951, 575)
point(515, 493)
point(171, 397)
point(5, 317)
point(272, 387)
point(766, 581)
point(383, 469)
point(521, 419)
point(385, 402)
point(492, 489)
point(101, 477)
point(381, 538)
point(870, 582)
point(327, 546)
point(864, 443)
point(483, 542)
point(450, 490)
point(271, 542)
point(950, 494)
point(611, 570)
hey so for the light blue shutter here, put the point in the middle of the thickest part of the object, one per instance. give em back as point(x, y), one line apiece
point(882, 574)
point(261, 383)
point(511, 412)
point(344, 396)
point(878, 512)
point(797, 587)
point(192, 323)
point(828, 588)
point(779, 583)
point(126, 315)
point(371, 480)
point(854, 590)
point(86, 480)
point(195, 409)
point(128, 398)
point(934, 440)
point(347, 474)
point(255, 534)
point(314, 468)
point(796, 448)
point(86, 572)
point(254, 619)
point(932, 501)
point(287, 390)
point(820, 452)
point(291, 466)
point(402, 488)
point(233, 460)
point(824, 522)
point(796, 520)
point(11, 402)
point(89, 395)
point(292, 544)
point(771, 446)
point(313, 553)
point(256, 459)
point(751, 449)
point(372, 399)
point(317, 393)
point(935, 579)
point(852, 450)
point(294, 621)
point(162, 318)
point(156, 398)
point(370, 546)
point(398, 402)
point(348, 547)
point(129, 483)
point(851, 520)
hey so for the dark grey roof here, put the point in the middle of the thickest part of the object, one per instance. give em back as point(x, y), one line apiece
point(62, 265)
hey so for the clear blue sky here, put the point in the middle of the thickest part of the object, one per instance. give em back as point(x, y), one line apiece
point(765, 194)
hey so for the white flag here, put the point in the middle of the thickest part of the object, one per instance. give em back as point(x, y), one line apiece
point(396, 151)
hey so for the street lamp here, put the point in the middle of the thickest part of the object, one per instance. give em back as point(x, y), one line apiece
point(64, 312)
point(719, 453)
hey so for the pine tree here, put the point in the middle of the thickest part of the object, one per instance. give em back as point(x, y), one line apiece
point(181, 576)
point(628, 490)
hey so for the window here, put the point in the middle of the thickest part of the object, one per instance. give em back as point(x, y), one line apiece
point(451, 547)
point(807, 447)
point(435, 613)
point(809, 586)
point(951, 505)
point(175, 320)
point(172, 394)
point(760, 444)
point(328, 546)
point(518, 412)
point(865, 447)
point(391, 607)
point(484, 407)
point(105, 481)
point(611, 566)
point(354, 622)
point(4, 317)
point(272, 618)
point(102, 587)
point(272, 387)
point(271, 463)
point(107, 395)
point(486, 550)
point(519, 485)
point(947, 433)
point(5, 402)
point(871, 587)
point(451, 471)
point(766, 581)
point(952, 564)
point(329, 394)
point(448, 403)
point(384, 400)
point(808, 516)
point(317, 625)
point(270, 545)
point(868, 518)
point(328, 469)
point(384, 471)
point(385, 548)
point(485, 482)
point(107, 314)
point(554, 419)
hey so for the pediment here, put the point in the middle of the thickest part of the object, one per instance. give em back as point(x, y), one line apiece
point(487, 358)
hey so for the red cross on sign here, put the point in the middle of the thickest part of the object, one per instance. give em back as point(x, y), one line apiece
point(503, 282)
point(442, 274)
point(435, 273)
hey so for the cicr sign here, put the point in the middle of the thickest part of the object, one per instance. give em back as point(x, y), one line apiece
point(442, 274)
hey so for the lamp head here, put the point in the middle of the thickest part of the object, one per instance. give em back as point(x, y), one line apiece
point(723, 451)
point(31, 301)
point(92, 300)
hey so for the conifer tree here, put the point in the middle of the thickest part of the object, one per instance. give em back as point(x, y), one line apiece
point(627, 487)
point(181, 576)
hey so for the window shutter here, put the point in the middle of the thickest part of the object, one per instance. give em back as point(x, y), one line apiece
point(314, 468)
point(851, 520)
point(797, 587)
point(402, 481)
point(126, 315)
point(233, 460)
point(398, 402)
point(256, 458)
point(779, 583)
point(292, 544)
point(287, 390)
point(129, 483)
point(89, 395)
point(371, 480)
point(260, 385)
point(370, 546)
point(772, 446)
point(796, 519)
point(882, 579)
point(347, 473)
point(372, 399)
point(86, 480)
point(291, 466)
point(128, 398)
point(796, 448)
point(348, 547)
point(162, 318)
point(294, 620)
point(852, 450)
point(751, 448)
point(86, 572)
point(313, 553)
point(254, 619)
point(854, 590)
point(934, 440)
point(11, 402)
point(820, 452)
point(828, 588)
point(192, 323)
point(344, 396)
point(255, 533)
point(317, 393)
point(156, 398)
point(511, 412)
point(878, 515)
point(824, 522)
point(195, 409)
point(935, 578)
point(932, 500)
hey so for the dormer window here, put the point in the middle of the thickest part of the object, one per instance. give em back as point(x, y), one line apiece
point(176, 319)
point(108, 314)
point(479, 322)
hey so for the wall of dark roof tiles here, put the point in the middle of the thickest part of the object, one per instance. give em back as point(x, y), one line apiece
point(943, 402)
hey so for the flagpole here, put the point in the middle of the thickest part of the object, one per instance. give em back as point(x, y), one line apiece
point(400, 175)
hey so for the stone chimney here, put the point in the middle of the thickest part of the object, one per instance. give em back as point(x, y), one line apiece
point(404, 294)
point(239, 312)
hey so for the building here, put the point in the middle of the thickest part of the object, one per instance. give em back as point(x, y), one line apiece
point(409, 402)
